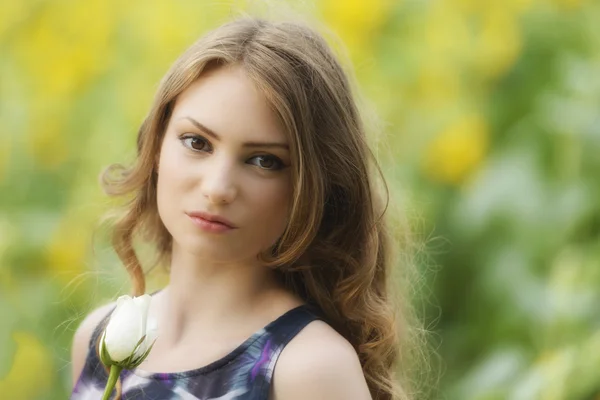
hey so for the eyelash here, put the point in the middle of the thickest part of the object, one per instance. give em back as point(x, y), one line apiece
point(188, 138)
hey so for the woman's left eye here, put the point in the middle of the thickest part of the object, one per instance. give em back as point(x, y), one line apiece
point(267, 162)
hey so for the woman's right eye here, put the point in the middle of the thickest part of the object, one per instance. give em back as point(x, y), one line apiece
point(195, 143)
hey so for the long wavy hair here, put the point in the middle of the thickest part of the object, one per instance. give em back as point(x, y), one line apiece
point(335, 251)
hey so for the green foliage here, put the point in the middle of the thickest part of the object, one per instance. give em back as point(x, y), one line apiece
point(494, 137)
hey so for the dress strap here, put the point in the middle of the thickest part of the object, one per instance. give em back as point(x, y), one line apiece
point(277, 335)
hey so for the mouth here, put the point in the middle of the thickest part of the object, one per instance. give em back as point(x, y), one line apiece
point(210, 222)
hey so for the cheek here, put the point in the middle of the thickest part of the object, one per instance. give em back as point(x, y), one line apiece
point(170, 183)
point(272, 203)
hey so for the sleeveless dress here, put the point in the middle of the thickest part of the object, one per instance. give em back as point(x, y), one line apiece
point(243, 374)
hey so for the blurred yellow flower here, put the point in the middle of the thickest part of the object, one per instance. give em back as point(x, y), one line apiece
point(162, 30)
point(457, 151)
point(65, 44)
point(13, 12)
point(447, 36)
point(446, 44)
point(438, 85)
point(31, 371)
point(498, 45)
point(67, 250)
point(166, 28)
point(355, 21)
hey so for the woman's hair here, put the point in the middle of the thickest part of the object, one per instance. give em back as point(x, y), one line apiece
point(335, 250)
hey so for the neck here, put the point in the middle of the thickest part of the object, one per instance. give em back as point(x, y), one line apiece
point(204, 294)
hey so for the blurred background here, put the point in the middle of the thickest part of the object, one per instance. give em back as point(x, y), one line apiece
point(491, 117)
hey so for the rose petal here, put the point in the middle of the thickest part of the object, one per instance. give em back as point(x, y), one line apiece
point(151, 335)
point(143, 305)
point(124, 329)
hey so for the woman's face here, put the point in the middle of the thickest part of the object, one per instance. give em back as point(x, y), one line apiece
point(224, 153)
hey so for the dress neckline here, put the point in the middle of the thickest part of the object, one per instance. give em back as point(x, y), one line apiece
point(214, 365)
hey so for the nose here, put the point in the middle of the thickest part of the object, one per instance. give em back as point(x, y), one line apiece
point(218, 180)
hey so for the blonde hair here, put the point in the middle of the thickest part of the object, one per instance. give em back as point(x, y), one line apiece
point(335, 250)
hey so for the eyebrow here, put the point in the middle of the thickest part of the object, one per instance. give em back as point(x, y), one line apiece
point(212, 134)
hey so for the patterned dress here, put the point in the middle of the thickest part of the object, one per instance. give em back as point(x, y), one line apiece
point(243, 374)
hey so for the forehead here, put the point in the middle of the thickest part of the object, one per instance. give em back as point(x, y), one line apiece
point(227, 101)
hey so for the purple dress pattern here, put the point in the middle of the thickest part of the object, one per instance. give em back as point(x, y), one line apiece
point(243, 374)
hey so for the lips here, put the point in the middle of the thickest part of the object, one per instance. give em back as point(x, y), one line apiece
point(212, 218)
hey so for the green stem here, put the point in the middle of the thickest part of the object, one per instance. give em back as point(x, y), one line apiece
point(115, 371)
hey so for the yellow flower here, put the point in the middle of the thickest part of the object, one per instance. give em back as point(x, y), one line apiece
point(498, 45)
point(166, 28)
point(65, 45)
point(13, 13)
point(447, 37)
point(67, 251)
point(356, 21)
point(437, 85)
point(446, 44)
point(31, 371)
point(457, 151)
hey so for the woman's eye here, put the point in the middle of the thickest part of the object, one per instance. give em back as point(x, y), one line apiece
point(195, 143)
point(267, 162)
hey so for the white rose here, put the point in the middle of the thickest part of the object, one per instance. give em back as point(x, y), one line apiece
point(129, 335)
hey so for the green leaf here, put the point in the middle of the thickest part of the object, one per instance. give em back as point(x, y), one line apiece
point(104, 356)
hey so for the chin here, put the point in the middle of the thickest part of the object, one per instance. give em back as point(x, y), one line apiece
point(209, 248)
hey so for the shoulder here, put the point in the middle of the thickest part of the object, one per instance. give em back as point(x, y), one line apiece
point(319, 364)
point(82, 336)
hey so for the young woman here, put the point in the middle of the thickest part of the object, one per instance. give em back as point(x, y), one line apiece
point(253, 180)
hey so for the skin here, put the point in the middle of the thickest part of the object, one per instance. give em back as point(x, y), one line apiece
point(219, 294)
